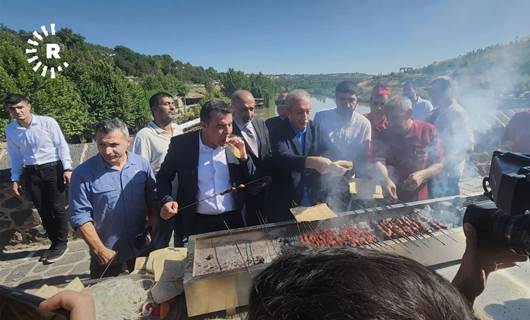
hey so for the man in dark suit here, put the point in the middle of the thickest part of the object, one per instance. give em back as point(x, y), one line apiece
point(296, 166)
point(206, 163)
point(253, 130)
point(256, 136)
point(281, 110)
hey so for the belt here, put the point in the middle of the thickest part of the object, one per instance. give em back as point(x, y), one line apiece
point(207, 215)
point(44, 165)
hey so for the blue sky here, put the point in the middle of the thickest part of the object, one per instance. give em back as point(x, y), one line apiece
point(372, 36)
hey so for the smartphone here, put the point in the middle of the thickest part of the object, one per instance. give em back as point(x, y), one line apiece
point(18, 305)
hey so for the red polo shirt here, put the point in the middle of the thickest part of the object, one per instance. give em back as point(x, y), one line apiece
point(407, 153)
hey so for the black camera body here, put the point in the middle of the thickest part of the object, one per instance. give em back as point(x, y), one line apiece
point(505, 220)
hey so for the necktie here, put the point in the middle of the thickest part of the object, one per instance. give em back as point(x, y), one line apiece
point(252, 141)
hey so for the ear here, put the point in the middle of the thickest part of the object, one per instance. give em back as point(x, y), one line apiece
point(204, 125)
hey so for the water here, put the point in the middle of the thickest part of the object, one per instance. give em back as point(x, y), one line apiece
point(318, 103)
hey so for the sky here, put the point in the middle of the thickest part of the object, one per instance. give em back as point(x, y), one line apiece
point(293, 37)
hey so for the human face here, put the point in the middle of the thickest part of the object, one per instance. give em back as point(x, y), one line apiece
point(437, 94)
point(398, 120)
point(298, 114)
point(164, 113)
point(377, 102)
point(244, 109)
point(345, 101)
point(217, 130)
point(281, 105)
point(20, 111)
point(113, 146)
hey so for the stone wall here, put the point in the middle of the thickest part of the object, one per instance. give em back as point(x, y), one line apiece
point(20, 223)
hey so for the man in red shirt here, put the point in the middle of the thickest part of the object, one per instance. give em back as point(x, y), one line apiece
point(516, 135)
point(406, 153)
point(380, 95)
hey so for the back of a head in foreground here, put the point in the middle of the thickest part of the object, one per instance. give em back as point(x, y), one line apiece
point(347, 283)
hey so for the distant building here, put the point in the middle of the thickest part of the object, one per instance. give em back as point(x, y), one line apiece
point(406, 69)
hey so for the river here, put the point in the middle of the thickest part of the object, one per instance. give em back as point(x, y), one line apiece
point(317, 104)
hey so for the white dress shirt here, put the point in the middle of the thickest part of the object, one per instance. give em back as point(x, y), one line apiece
point(152, 143)
point(41, 142)
point(213, 178)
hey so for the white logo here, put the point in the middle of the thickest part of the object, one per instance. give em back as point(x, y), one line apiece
point(52, 52)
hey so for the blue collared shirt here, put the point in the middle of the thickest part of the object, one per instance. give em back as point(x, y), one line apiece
point(41, 142)
point(115, 201)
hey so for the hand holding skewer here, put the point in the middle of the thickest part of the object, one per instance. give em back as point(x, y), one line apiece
point(239, 145)
point(168, 210)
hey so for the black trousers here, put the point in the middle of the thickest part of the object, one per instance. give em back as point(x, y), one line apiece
point(116, 268)
point(45, 186)
point(203, 223)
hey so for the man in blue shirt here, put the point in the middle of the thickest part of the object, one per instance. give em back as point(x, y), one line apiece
point(112, 196)
point(40, 160)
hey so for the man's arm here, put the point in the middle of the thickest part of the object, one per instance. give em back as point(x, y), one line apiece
point(91, 237)
point(167, 173)
point(61, 145)
point(141, 146)
point(81, 217)
point(15, 158)
point(283, 158)
point(381, 174)
point(151, 197)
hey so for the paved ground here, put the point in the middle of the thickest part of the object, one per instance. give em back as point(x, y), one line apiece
point(22, 269)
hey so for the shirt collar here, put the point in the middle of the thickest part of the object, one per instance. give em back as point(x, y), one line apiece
point(35, 120)
point(204, 147)
point(159, 130)
point(299, 132)
point(105, 164)
point(240, 125)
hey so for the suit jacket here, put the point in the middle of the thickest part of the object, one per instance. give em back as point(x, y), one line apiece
point(290, 176)
point(181, 162)
point(262, 159)
point(273, 124)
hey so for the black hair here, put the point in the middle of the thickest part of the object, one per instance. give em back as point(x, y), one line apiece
point(14, 98)
point(346, 87)
point(211, 106)
point(348, 283)
point(155, 99)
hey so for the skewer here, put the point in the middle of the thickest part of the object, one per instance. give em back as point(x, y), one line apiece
point(237, 247)
point(216, 256)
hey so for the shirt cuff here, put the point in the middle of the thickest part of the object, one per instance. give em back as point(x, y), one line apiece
point(67, 164)
point(166, 199)
point(78, 221)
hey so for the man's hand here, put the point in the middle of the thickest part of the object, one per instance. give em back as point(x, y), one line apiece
point(169, 209)
point(335, 170)
point(81, 306)
point(317, 163)
point(478, 263)
point(240, 145)
point(104, 255)
point(67, 175)
point(414, 180)
point(16, 188)
point(390, 190)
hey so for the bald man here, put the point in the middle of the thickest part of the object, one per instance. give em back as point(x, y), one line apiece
point(407, 153)
point(256, 137)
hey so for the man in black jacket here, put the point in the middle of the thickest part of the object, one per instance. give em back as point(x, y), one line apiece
point(206, 163)
point(281, 110)
point(294, 148)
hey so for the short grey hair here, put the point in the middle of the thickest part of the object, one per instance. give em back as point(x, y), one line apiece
point(296, 95)
point(401, 103)
point(109, 125)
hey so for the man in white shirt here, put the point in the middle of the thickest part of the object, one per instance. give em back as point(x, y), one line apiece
point(456, 136)
point(421, 108)
point(152, 141)
point(40, 161)
point(209, 168)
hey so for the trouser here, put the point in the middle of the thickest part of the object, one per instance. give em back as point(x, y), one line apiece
point(45, 186)
point(203, 223)
point(116, 268)
point(164, 230)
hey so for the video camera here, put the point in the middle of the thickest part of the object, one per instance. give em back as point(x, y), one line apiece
point(505, 220)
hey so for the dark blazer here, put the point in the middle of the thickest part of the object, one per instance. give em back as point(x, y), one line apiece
point(290, 176)
point(273, 123)
point(181, 162)
point(261, 160)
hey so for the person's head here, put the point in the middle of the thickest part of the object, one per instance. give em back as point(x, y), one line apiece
point(112, 138)
point(346, 96)
point(355, 284)
point(409, 91)
point(299, 108)
point(18, 106)
point(398, 111)
point(378, 98)
point(281, 104)
point(162, 107)
point(243, 105)
point(441, 91)
point(216, 122)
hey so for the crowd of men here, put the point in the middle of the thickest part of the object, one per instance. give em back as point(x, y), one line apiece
point(237, 170)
